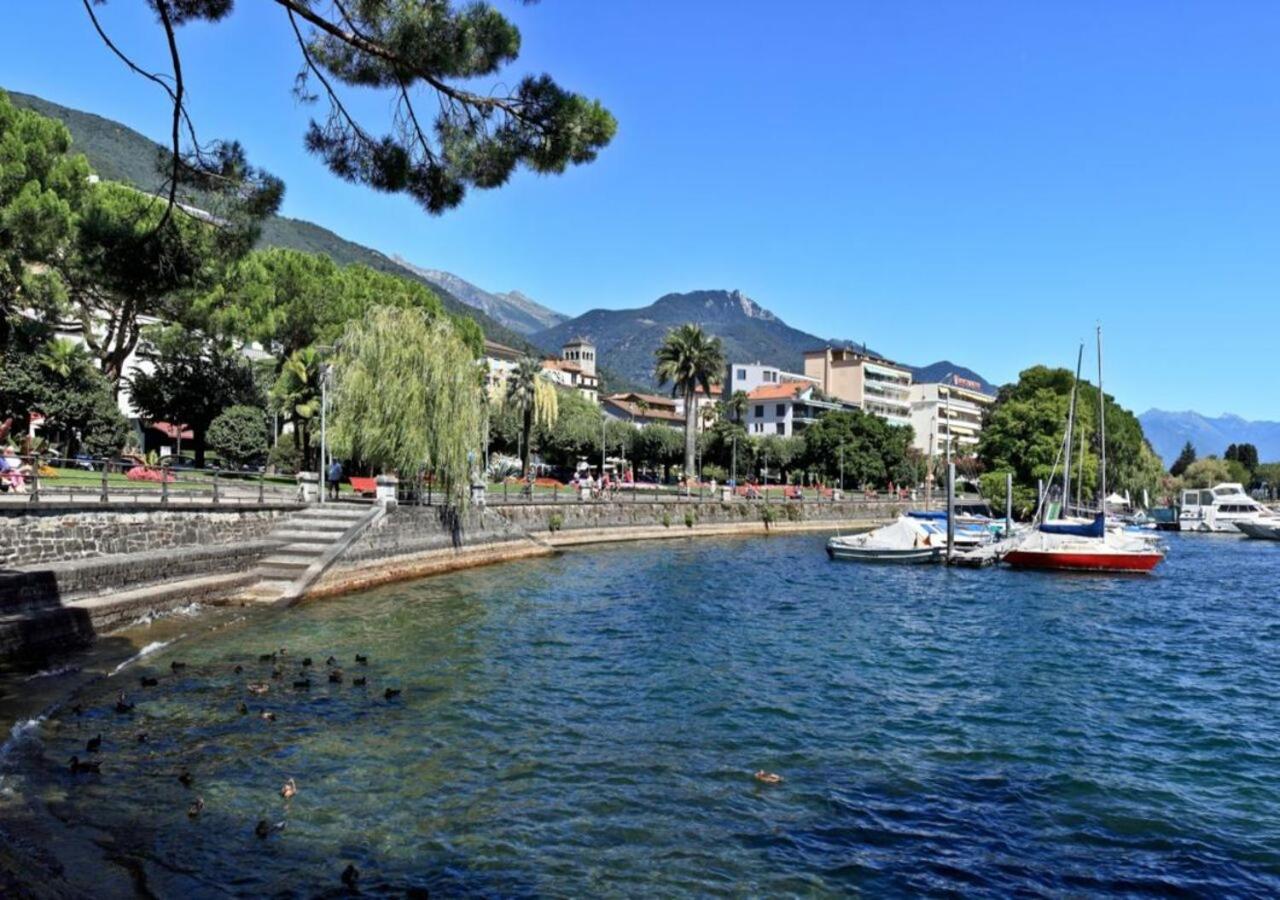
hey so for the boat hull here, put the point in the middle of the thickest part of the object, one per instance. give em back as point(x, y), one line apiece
point(914, 556)
point(1083, 561)
point(1260, 531)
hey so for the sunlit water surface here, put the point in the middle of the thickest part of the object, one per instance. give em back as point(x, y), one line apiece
point(589, 725)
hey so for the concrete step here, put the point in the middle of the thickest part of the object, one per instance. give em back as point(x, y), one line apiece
point(331, 511)
point(306, 548)
point(307, 535)
point(288, 561)
point(277, 573)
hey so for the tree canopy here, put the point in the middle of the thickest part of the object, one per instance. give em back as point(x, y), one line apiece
point(444, 134)
point(1185, 458)
point(407, 397)
point(239, 433)
point(873, 451)
point(1025, 429)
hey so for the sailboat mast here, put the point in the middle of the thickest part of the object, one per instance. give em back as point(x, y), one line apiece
point(1071, 428)
point(1102, 430)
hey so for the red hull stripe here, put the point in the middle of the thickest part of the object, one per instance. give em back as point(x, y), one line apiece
point(1084, 562)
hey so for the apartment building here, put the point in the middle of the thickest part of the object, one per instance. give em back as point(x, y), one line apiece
point(872, 384)
point(950, 411)
point(787, 408)
point(746, 377)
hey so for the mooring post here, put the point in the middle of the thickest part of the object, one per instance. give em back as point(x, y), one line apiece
point(951, 508)
point(1008, 504)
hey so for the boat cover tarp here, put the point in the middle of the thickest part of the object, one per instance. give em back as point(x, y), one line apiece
point(1097, 528)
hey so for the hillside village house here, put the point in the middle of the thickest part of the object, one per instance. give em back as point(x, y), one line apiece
point(949, 411)
point(500, 367)
point(872, 384)
point(642, 410)
point(787, 408)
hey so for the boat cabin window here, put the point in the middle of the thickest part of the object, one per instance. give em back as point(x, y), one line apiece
point(1206, 498)
point(1190, 498)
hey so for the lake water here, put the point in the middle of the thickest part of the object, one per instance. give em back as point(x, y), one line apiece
point(589, 725)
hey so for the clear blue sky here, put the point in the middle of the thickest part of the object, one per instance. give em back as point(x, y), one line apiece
point(980, 181)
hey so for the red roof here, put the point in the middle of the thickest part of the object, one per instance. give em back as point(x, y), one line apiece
point(171, 431)
point(784, 390)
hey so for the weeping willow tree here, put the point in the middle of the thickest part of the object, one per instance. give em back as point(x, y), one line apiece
point(406, 396)
point(533, 397)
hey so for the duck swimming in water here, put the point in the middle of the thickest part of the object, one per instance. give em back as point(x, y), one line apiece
point(266, 657)
point(175, 665)
point(390, 693)
point(257, 687)
point(359, 681)
point(94, 745)
point(289, 789)
point(335, 677)
point(306, 661)
point(148, 681)
point(362, 660)
point(194, 810)
point(331, 661)
point(78, 767)
point(267, 716)
point(238, 669)
point(122, 706)
point(185, 779)
point(302, 684)
point(242, 708)
point(768, 777)
point(350, 876)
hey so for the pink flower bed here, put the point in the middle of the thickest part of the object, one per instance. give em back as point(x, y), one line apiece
point(148, 473)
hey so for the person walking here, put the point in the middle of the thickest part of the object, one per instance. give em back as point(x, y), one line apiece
point(334, 478)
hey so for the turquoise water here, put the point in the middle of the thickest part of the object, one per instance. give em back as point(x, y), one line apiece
point(588, 725)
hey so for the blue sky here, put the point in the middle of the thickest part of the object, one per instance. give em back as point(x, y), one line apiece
point(978, 181)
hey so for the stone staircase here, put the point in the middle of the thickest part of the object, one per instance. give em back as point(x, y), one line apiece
point(308, 540)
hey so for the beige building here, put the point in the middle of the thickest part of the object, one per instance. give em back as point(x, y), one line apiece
point(950, 411)
point(874, 385)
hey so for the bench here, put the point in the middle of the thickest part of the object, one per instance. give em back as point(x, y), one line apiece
point(365, 487)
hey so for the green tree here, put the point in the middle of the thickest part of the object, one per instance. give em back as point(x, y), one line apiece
point(535, 401)
point(872, 451)
point(689, 358)
point(443, 136)
point(1205, 473)
point(42, 185)
point(658, 446)
point(736, 406)
point(1185, 458)
point(1244, 454)
point(192, 379)
point(53, 377)
point(296, 394)
point(406, 397)
point(239, 434)
point(1025, 429)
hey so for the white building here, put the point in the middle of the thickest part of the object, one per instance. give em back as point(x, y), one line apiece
point(576, 368)
point(871, 383)
point(787, 408)
point(948, 411)
point(746, 377)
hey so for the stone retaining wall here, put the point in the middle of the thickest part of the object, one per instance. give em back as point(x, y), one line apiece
point(37, 533)
point(558, 517)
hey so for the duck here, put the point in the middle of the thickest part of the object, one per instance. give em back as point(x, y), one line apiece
point(242, 708)
point(122, 706)
point(362, 660)
point(185, 778)
point(331, 661)
point(289, 789)
point(359, 681)
point(77, 710)
point(77, 767)
point(390, 693)
point(175, 665)
point(148, 681)
point(257, 687)
point(283, 651)
point(262, 829)
point(302, 684)
point(94, 745)
point(306, 661)
point(238, 669)
point(350, 876)
point(194, 810)
point(335, 677)
point(267, 716)
point(768, 777)
point(266, 657)
point(142, 737)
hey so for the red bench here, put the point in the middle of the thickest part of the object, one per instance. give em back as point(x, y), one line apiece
point(365, 487)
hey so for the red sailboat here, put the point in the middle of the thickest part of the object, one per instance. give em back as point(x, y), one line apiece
point(1077, 545)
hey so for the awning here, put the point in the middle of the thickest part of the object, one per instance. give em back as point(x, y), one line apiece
point(171, 431)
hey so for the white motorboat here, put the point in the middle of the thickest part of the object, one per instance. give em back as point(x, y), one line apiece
point(907, 540)
point(1221, 509)
point(1262, 529)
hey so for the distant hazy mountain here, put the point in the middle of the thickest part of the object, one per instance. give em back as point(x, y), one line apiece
point(118, 153)
point(513, 309)
point(1169, 431)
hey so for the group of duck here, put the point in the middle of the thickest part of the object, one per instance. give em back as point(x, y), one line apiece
point(264, 828)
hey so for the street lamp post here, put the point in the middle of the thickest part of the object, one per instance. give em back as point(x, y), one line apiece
point(324, 403)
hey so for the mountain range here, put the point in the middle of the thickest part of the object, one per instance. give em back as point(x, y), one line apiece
point(625, 338)
point(513, 309)
point(1169, 431)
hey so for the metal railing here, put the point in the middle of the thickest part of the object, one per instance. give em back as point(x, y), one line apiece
point(35, 478)
point(514, 492)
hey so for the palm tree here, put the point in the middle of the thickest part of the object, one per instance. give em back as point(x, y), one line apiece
point(736, 406)
point(688, 358)
point(62, 356)
point(533, 397)
point(296, 393)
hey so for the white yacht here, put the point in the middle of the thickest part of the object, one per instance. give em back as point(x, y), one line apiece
point(1219, 509)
